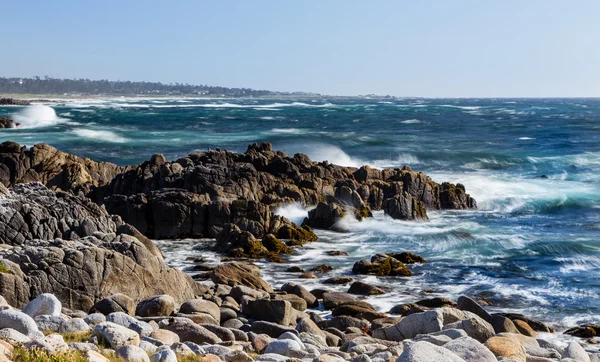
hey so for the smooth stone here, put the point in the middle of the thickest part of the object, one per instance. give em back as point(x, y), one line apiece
point(166, 355)
point(95, 318)
point(44, 304)
point(13, 336)
point(271, 329)
point(116, 335)
point(201, 306)
point(20, 322)
point(412, 325)
point(475, 327)
point(468, 304)
point(52, 343)
point(182, 349)
point(524, 328)
point(132, 354)
point(114, 303)
point(576, 352)
point(502, 346)
point(74, 325)
point(49, 323)
point(271, 357)
point(285, 347)
point(125, 320)
point(470, 350)
point(427, 352)
point(165, 336)
point(156, 306)
point(189, 331)
point(502, 324)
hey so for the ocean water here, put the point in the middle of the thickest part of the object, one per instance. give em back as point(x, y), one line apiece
point(533, 165)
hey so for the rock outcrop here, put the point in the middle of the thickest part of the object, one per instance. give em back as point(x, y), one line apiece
point(14, 102)
point(200, 194)
point(55, 242)
point(53, 168)
point(8, 123)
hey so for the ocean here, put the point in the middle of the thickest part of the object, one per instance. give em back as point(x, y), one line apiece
point(533, 165)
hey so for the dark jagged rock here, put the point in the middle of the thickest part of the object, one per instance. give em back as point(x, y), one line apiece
point(381, 265)
point(197, 195)
point(407, 257)
point(66, 245)
point(326, 216)
point(14, 102)
point(8, 123)
point(405, 207)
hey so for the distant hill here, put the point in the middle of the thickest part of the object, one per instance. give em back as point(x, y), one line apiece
point(55, 86)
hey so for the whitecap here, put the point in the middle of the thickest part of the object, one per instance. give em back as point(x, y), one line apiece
point(105, 136)
point(526, 138)
point(37, 116)
point(411, 121)
point(293, 212)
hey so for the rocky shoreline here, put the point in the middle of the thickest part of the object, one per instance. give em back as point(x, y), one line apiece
point(80, 274)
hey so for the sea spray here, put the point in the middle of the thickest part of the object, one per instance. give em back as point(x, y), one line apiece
point(37, 116)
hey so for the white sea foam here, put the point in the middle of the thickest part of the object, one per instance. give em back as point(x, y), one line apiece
point(288, 130)
point(526, 138)
point(333, 154)
point(37, 116)
point(411, 121)
point(293, 212)
point(105, 136)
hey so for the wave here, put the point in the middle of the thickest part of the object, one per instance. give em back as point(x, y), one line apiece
point(411, 121)
point(288, 130)
point(526, 138)
point(508, 193)
point(104, 136)
point(332, 154)
point(293, 212)
point(37, 116)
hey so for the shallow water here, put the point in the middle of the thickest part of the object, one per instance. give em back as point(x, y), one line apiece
point(532, 165)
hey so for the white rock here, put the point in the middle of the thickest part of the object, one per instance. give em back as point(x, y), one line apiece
point(293, 337)
point(132, 354)
point(475, 327)
point(44, 304)
point(181, 349)
point(20, 322)
point(427, 352)
point(271, 357)
point(166, 355)
point(285, 347)
point(412, 325)
point(470, 350)
point(125, 320)
point(576, 352)
point(13, 336)
point(49, 322)
point(117, 336)
point(148, 347)
point(75, 325)
point(53, 343)
point(95, 318)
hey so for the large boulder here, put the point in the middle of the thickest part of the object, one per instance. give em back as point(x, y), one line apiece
point(115, 335)
point(411, 326)
point(19, 321)
point(82, 259)
point(276, 311)
point(233, 274)
point(405, 207)
point(44, 304)
point(381, 265)
point(425, 352)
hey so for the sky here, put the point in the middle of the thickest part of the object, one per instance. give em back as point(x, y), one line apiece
point(458, 48)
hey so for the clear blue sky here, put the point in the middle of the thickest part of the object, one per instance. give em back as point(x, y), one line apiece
point(479, 48)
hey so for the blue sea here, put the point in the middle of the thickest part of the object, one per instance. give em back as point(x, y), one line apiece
point(533, 165)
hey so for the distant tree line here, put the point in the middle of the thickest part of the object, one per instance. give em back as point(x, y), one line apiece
point(48, 85)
